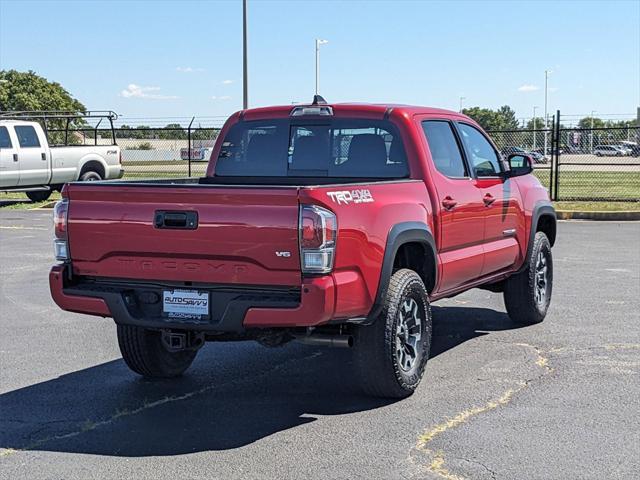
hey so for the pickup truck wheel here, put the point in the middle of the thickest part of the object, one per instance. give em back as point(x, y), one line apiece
point(145, 354)
point(90, 176)
point(527, 295)
point(39, 195)
point(391, 354)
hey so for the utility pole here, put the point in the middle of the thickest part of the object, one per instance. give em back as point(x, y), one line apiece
point(535, 134)
point(593, 112)
point(245, 82)
point(318, 43)
point(546, 118)
point(462, 99)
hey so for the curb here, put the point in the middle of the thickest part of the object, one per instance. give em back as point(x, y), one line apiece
point(580, 215)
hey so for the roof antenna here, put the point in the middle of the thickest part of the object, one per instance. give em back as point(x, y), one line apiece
point(318, 100)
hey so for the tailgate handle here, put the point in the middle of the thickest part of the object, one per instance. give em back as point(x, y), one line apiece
point(183, 220)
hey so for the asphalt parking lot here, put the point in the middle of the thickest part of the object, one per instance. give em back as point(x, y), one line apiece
point(552, 401)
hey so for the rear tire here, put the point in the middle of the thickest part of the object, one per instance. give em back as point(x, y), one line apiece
point(145, 354)
point(90, 176)
point(38, 195)
point(391, 354)
point(527, 295)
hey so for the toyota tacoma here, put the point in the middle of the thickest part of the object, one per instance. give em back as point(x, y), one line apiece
point(327, 224)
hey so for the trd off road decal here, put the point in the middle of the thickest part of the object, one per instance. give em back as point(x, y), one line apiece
point(351, 196)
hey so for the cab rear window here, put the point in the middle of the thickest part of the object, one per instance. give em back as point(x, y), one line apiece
point(337, 148)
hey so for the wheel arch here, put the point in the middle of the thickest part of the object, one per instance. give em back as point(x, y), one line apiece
point(409, 245)
point(543, 219)
point(94, 163)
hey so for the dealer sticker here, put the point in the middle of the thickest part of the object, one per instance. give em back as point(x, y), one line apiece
point(185, 304)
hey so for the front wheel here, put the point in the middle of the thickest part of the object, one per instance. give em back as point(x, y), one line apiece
point(527, 294)
point(391, 354)
point(144, 352)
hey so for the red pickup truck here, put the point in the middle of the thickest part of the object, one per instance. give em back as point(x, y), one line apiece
point(327, 224)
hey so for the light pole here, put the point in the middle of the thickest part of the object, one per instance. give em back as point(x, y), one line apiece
point(462, 99)
point(245, 73)
point(546, 97)
point(318, 43)
point(593, 112)
point(535, 134)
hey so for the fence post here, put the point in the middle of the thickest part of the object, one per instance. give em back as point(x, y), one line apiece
point(556, 149)
point(551, 162)
point(189, 143)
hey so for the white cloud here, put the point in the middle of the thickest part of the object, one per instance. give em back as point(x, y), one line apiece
point(136, 91)
point(528, 88)
point(227, 82)
point(224, 97)
point(189, 69)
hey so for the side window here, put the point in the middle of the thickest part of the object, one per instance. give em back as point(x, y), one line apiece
point(5, 140)
point(444, 148)
point(27, 136)
point(483, 158)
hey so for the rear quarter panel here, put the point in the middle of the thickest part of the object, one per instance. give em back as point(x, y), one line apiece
point(363, 227)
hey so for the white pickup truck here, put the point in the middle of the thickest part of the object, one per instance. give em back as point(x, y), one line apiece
point(28, 164)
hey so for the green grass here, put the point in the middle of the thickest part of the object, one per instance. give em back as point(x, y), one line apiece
point(595, 185)
point(19, 201)
point(598, 206)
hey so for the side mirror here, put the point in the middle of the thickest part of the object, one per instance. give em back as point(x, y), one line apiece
point(519, 164)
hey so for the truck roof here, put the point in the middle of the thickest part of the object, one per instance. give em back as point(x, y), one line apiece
point(351, 107)
point(4, 121)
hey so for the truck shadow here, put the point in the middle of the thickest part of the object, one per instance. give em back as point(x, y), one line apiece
point(236, 394)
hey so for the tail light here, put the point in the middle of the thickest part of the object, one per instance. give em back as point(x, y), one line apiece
point(61, 241)
point(318, 231)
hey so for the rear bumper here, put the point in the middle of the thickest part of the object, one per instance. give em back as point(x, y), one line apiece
point(233, 308)
point(114, 172)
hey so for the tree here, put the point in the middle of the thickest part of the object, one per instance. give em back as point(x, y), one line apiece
point(588, 122)
point(503, 118)
point(27, 91)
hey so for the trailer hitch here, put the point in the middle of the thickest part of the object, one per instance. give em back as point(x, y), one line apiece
point(180, 341)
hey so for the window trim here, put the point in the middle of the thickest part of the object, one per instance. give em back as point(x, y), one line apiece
point(35, 132)
point(456, 136)
point(488, 139)
point(6, 129)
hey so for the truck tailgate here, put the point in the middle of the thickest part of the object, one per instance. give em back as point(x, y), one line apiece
point(244, 235)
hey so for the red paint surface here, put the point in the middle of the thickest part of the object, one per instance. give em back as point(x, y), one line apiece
point(240, 230)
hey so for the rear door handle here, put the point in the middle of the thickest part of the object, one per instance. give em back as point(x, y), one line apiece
point(44, 156)
point(448, 203)
point(15, 157)
point(488, 199)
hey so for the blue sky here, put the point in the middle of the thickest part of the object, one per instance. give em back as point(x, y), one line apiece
point(182, 58)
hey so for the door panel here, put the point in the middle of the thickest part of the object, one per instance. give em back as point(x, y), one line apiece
point(501, 223)
point(461, 211)
point(9, 169)
point(500, 197)
point(32, 156)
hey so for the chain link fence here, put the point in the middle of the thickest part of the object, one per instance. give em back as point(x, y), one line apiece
point(594, 164)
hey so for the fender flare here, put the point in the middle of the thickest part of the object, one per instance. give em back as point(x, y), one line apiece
point(400, 234)
point(541, 209)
